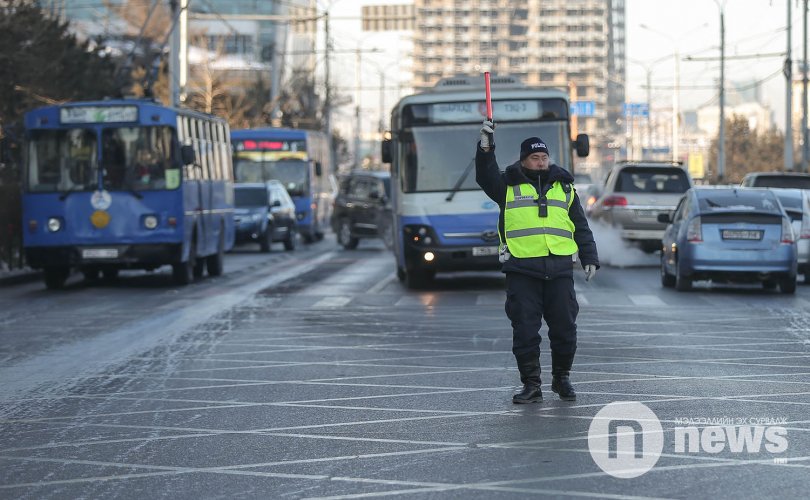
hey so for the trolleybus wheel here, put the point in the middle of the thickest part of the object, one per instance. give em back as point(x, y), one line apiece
point(55, 277)
point(215, 263)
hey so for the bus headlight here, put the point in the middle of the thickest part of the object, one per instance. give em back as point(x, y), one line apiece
point(150, 222)
point(54, 224)
point(429, 256)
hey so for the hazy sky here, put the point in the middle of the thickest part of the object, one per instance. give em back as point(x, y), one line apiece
point(752, 27)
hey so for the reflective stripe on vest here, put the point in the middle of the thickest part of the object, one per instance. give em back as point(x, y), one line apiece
point(529, 235)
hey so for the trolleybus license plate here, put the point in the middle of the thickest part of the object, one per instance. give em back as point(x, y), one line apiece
point(100, 253)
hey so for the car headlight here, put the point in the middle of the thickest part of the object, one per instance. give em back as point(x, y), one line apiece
point(54, 224)
point(150, 222)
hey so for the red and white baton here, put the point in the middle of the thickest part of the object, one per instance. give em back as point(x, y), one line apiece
point(489, 95)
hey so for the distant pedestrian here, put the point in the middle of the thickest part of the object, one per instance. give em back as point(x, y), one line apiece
point(542, 226)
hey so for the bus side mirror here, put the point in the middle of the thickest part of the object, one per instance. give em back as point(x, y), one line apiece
point(187, 154)
point(582, 145)
point(318, 169)
point(385, 150)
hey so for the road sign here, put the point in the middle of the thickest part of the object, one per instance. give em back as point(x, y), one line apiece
point(636, 109)
point(583, 108)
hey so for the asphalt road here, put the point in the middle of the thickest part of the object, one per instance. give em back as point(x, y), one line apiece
point(316, 374)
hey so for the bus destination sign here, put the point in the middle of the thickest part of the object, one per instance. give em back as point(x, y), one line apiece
point(98, 114)
point(476, 111)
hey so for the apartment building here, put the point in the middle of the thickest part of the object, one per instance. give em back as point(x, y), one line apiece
point(574, 44)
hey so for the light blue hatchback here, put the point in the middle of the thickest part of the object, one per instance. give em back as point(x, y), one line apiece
point(729, 234)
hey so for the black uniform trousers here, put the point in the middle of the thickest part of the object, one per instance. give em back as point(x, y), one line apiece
point(528, 301)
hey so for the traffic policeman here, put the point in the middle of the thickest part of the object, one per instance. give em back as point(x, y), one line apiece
point(542, 226)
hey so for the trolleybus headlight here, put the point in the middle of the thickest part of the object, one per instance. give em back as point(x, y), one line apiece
point(150, 222)
point(54, 224)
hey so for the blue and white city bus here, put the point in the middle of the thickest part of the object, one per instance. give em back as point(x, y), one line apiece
point(126, 184)
point(443, 221)
point(300, 159)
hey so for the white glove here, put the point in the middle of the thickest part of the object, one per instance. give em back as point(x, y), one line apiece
point(590, 272)
point(503, 254)
point(487, 134)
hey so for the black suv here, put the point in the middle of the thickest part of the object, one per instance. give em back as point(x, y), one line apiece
point(264, 213)
point(363, 208)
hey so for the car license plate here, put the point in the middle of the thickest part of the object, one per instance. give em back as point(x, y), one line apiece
point(741, 234)
point(100, 253)
point(647, 214)
point(483, 251)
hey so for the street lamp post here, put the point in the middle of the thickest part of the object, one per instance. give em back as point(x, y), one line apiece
point(721, 140)
point(677, 84)
point(648, 71)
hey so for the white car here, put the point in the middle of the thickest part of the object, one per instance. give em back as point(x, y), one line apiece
point(796, 203)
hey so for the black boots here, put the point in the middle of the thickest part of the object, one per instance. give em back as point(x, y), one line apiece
point(529, 367)
point(560, 382)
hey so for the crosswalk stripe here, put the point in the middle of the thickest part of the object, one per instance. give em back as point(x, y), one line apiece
point(489, 299)
point(332, 302)
point(410, 300)
point(646, 300)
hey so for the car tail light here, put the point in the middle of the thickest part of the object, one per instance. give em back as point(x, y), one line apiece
point(614, 201)
point(694, 232)
point(787, 231)
point(804, 233)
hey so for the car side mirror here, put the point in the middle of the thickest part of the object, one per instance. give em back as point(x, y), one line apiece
point(664, 218)
point(318, 169)
point(385, 150)
point(276, 203)
point(187, 154)
point(582, 145)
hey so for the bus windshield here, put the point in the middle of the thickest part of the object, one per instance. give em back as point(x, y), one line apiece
point(293, 173)
point(138, 158)
point(62, 160)
point(434, 158)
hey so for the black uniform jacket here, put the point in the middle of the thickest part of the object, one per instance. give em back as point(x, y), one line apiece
point(494, 183)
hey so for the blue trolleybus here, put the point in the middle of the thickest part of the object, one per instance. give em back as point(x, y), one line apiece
point(126, 184)
point(300, 159)
point(443, 221)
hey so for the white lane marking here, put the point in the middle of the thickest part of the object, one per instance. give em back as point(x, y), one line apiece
point(332, 302)
point(646, 300)
point(381, 284)
point(489, 299)
point(82, 359)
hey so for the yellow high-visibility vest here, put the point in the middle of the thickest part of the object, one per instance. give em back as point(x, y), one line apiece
point(529, 235)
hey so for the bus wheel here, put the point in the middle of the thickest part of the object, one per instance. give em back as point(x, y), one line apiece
point(308, 238)
point(216, 262)
point(90, 274)
point(55, 277)
point(345, 237)
point(419, 278)
point(183, 272)
point(110, 274)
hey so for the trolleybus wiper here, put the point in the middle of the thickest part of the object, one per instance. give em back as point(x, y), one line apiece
point(460, 180)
